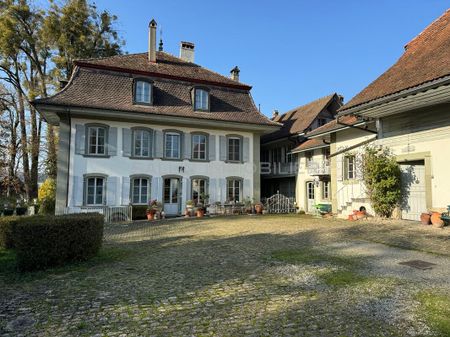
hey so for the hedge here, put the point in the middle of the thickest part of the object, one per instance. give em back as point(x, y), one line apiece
point(139, 212)
point(7, 225)
point(45, 241)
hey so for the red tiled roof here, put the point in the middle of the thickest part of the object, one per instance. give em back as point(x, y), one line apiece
point(299, 119)
point(333, 125)
point(426, 58)
point(310, 144)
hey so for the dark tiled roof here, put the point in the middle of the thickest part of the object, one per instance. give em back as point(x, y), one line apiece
point(426, 58)
point(333, 125)
point(166, 65)
point(101, 89)
point(107, 83)
point(310, 144)
point(299, 119)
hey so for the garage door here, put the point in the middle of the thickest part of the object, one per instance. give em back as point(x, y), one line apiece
point(413, 190)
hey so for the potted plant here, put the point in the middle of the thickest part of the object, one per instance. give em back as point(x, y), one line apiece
point(189, 208)
point(259, 208)
point(436, 220)
point(248, 205)
point(425, 218)
point(153, 207)
point(200, 211)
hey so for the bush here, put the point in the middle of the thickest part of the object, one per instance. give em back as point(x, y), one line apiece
point(139, 212)
point(382, 179)
point(47, 196)
point(7, 225)
point(45, 241)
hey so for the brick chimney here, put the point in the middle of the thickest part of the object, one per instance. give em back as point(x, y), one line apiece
point(187, 51)
point(152, 41)
point(235, 74)
point(274, 114)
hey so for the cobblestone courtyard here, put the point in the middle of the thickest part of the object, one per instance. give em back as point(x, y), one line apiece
point(237, 276)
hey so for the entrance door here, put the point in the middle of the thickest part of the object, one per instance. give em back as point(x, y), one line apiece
point(172, 197)
point(413, 190)
point(310, 197)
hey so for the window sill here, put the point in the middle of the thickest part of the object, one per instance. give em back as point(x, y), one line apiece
point(350, 181)
point(200, 160)
point(141, 158)
point(234, 161)
point(172, 159)
point(96, 155)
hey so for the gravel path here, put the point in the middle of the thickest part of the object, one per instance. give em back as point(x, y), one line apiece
point(219, 277)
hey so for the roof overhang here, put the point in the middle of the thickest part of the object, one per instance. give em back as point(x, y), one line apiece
point(428, 94)
point(340, 128)
point(311, 148)
point(52, 114)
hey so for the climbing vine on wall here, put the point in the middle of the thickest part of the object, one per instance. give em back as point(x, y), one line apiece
point(382, 180)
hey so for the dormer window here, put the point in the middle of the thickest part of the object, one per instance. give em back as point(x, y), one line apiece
point(143, 92)
point(201, 99)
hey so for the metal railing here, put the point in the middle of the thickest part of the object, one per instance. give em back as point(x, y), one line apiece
point(111, 213)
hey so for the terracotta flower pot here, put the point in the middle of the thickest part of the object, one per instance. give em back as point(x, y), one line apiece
point(200, 213)
point(258, 208)
point(150, 216)
point(360, 214)
point(425, 218)
point(436, 220)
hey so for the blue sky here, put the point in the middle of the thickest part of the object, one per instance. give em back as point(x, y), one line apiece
point(291, 52)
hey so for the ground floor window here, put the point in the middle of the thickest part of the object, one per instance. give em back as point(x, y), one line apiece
point(310, 190)
point(95, 191)
point(234, 190)
point(199, 190)
point(326, 190)
point(140, 190)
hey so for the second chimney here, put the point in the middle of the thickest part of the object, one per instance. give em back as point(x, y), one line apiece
point(152, 41)
point(187, 51)
point(235, 74)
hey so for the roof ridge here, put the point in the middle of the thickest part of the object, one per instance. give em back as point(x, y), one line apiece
point(105, 57)
point(309, 103)
point(426, 29)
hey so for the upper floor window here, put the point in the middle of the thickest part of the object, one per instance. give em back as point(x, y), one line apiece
point(95, 191)
point(142, 92)
point(140, 190)
point(97, 140)
point(199, 146)
point(309, 156)
point(141, 143)
point(234, 149)
point(172, 145)
point(201, 100)
point(350, 167)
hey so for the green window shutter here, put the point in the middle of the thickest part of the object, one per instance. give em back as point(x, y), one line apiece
point(223, 148)
point(246, 150)
point(212, 147)
point(158, 144)
point(112, 141)
point(80, 139)
point(187, 145)
point(126, 142)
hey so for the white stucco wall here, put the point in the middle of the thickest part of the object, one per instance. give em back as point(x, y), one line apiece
point(303, 177)
point(122, 167)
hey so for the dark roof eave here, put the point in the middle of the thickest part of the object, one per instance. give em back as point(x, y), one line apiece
point(51, 108)
point(394, 96)
point(155, 74)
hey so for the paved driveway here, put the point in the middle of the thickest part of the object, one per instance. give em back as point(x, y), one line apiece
point(237, 276)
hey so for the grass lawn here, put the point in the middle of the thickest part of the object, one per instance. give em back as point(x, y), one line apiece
point(238, 276)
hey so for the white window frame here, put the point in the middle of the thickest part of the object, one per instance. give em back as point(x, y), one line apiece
point(239, 153)
point(86, 190)
point(89, 144)
point(237, 185)
point(201, 99)
point(140, 195)
point(326, 185)
point(206, 187)
point(199, 154)
point(169, 153)
point(140, 132)
point(350, 167)
point(143, 92)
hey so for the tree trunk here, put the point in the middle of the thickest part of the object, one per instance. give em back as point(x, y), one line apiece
point(24, 145)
